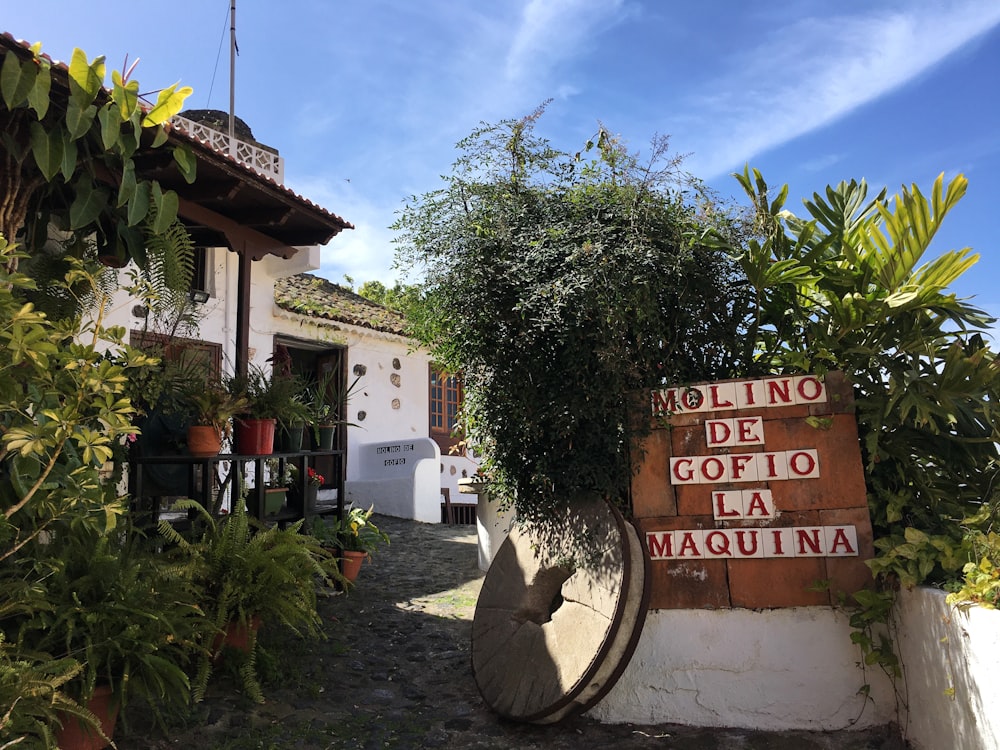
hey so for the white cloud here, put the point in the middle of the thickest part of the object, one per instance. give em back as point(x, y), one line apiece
point(814, 71)
point(552, 30)
point(822, 163)
point(364, 253)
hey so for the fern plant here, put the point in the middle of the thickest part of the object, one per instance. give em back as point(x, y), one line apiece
point(32, 699)
point(246, 573)
point(169, 260)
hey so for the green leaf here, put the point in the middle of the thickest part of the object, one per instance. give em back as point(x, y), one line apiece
point(166, 211)
point(88, 203)
point(160, 138)
point(110, 126)
point(169, 102)
point(186, 162)
point(86, 79)
point(138, 202)
point(47, 149)
point(38, 97)
point(133, 244)
point(79, 118)
point(126, 189)
point(17, 86)
point(124, 95)
point(10, 79)
point(69, 160)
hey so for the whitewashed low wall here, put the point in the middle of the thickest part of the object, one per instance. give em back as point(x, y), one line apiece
point(773, 670)
point(945, 649)
point(399, 478)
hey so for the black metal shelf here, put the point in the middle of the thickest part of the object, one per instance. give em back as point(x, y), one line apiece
point(200, 485)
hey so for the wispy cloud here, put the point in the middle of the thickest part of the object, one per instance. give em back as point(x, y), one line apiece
point(552, 30)
point(364, 253)
point(812, 72)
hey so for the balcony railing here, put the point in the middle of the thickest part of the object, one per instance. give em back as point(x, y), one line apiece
point(251, 155)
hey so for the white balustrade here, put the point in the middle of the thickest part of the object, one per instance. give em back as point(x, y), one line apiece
point(258, 159)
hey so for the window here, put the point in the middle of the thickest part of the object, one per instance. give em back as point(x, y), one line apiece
point(199, 277)
point(186, 352)
point(445, 405)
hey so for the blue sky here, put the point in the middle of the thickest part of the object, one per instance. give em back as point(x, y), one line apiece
point(365, 99)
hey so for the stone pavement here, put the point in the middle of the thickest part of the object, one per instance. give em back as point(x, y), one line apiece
point(395, 672)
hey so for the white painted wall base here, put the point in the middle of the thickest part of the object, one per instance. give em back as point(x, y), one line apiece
point(775, 669)
point(942, 649)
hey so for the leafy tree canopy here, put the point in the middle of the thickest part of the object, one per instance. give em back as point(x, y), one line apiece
point(559, 283)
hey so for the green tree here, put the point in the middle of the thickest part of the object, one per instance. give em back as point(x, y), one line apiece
point(558, 284)
point(846, 288)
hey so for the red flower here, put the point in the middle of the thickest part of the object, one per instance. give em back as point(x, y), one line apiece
point(314, 478)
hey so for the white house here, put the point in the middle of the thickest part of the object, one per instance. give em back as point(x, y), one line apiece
point(400, 396)
point(256, 239)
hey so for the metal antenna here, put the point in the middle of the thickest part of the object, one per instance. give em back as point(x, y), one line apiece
point(232, 78)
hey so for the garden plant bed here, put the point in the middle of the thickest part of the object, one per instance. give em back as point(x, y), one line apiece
point(395, 672)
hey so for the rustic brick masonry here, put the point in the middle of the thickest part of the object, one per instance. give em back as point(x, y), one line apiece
point(745, 542)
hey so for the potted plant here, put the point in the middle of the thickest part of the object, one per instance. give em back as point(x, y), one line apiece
point(114, 607)
point(293, 413)
point(276, 487)
point(357, 538)
point(33, 699)
point(314, 480)
point(248, 575)
point(324, 402)
point(211, 408)
point(292, 421)
point(269, 399)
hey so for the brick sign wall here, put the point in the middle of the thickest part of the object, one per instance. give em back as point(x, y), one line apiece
point(751, 491)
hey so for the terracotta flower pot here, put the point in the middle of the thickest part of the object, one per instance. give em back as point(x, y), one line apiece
point(236, 636)
point(74, 735)
point(350, 563)
point(204, 441)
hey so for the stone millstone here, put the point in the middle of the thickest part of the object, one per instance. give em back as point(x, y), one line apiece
point(549, 641)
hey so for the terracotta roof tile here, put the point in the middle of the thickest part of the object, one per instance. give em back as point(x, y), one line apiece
point(311, 295)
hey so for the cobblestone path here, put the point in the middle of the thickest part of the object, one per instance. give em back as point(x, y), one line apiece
point(394, 672)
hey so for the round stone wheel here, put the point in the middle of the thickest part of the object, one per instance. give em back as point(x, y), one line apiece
point(550, 638)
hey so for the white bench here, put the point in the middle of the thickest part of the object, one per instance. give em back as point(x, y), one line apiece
point(400, 478)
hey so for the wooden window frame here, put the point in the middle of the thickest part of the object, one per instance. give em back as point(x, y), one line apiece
point(442, 405)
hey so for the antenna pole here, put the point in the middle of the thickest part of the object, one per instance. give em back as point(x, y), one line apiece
point(232, 78)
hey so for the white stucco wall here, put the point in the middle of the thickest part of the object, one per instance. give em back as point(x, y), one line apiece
point(391, 401)
point(945, 649)
point(390, 411)
point(773, 670)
